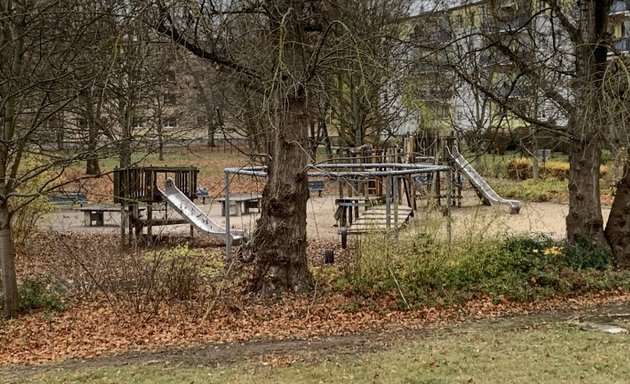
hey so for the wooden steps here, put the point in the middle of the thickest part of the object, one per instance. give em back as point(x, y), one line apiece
point(374, 219)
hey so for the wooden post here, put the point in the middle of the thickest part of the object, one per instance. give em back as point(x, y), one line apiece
point(124, 222)
point(149, 220)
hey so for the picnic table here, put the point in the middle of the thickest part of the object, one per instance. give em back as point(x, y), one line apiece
point(93, 215)
point(241, 203)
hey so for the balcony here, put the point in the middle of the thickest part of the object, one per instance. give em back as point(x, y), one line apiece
point(622, 45)
point(620, 7)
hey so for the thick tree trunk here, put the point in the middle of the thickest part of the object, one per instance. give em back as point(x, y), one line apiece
point(279, 241)
point(584, 220)
point(7, 256)
point(618, 225)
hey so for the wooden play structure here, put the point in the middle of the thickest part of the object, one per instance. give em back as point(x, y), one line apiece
point(137, 189)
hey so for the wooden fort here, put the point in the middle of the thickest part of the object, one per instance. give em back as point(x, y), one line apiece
point(137, 189)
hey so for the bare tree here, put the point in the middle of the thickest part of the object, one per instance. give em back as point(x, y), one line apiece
point(365, 72)
point(559, 53)
point(40, 43)
point(282, 78)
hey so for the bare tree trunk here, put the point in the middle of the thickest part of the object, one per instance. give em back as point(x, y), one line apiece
point(327, 144)
point(160, 135)
point(92, 166)
point(124, 145)
point(211, 129)
point(280, 237)
point(618, 225)
point(585, 219)
point(7, 254)
point(124, 149)
point(279, 241)
point(59, 136)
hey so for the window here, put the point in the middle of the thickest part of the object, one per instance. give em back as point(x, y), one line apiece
point(137, 122)
point(82, 123)
point(170, 99)
point(170, 122)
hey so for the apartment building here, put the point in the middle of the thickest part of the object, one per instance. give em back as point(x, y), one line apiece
point(482, 50)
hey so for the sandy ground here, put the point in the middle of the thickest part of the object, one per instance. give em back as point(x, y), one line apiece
point(471, 219)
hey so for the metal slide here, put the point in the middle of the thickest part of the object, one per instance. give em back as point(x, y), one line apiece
point(481, 185)
point(185, 207)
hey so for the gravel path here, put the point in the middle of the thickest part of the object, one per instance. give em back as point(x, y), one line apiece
point(472, 217)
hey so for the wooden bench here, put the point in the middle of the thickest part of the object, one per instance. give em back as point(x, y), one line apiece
point(68, 198)
point(241, 203)
point(316, 186)
point(202, 192)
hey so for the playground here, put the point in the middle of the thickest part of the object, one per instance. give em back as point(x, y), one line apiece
point(172, 286)
point(360, 191)
point(546, 217)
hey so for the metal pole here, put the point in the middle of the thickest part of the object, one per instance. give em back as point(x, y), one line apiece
point(396, 190)
point(226, 210)
point(388, 186)
point(448, 206)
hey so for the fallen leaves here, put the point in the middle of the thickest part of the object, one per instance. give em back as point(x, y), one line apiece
point(92, 329)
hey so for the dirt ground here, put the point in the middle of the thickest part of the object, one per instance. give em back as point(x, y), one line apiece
point(471, 217)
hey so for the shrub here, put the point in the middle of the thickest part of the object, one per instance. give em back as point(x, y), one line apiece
point(24, 220)
point(39, 293)
point(425, 270)
point(135, 281)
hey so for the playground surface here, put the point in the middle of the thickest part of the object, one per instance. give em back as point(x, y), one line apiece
point(546, 218)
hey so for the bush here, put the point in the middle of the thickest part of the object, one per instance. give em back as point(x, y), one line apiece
point(133, 281)
point(39, 293)
point(24, 220)
point(424, 270)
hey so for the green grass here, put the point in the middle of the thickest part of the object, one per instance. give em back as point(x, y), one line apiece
point(489, 352)
point(529, 190)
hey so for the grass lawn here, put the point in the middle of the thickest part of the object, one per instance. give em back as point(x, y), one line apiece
point(210, 161)
point(500, 351)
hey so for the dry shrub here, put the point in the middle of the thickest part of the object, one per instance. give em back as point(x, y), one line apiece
point(27, 213)
point(133, 280)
